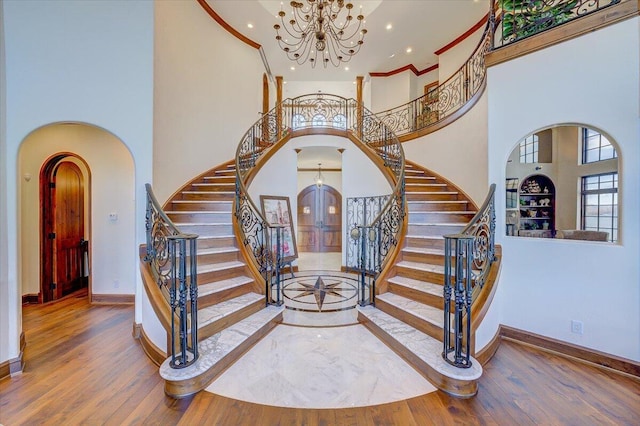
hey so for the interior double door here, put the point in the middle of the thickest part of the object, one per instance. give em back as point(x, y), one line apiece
point(319, 219)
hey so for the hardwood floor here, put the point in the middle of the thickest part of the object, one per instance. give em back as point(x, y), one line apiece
point(83, 367)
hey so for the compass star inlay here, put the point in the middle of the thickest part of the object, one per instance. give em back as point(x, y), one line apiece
point(319, 290)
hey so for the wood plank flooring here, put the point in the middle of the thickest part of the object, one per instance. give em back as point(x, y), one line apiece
point(83, 367)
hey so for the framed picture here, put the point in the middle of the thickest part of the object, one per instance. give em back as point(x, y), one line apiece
point(277, 211)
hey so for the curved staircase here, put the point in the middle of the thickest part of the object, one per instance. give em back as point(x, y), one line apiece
point(408, 313)
point(231, 309)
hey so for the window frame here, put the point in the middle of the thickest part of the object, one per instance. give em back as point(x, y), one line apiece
point(525, 144)
point(588, 134)
point(613, 230)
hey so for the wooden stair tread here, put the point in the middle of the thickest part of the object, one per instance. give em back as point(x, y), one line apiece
point(427, 267)
point(426, 313)
point(458, 224)
point(210, 288)
point(216, 250)
point(213, 267)
point(202, 201)
point(214, 349)
point(178, 224)
point(417, 285)
point(424, 250)
point(421, 345)
point(220, 310)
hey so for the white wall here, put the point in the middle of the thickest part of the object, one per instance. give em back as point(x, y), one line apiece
point(390, 92)
point(9, 302)
point(88, 62)
point(450, 61)
point(346, 89)
point(547, 283)
point(458, 151)
point(208, 92)
point(111, 166)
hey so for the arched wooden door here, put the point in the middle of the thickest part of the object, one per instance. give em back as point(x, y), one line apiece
point(319, 219)
point(64, 245)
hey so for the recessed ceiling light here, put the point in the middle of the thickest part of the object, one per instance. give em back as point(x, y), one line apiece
point(293, 68)
point(392, 55)
point(389, 26)
point(284, 82)
point(250, 25)
point(409, 50)
point(346, 68)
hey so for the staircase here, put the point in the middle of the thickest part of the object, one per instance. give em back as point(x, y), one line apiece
point(231, 309)
point(408, 313)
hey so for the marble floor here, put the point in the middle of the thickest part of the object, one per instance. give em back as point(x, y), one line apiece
point(320, 357)
point(320, 367)
point(319, 261)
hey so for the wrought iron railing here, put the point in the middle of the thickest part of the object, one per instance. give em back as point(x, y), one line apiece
point(172, 258)
point(321, 112)
point(519, 19)
point(444, 101)
point(361, 211)
point(468, 257)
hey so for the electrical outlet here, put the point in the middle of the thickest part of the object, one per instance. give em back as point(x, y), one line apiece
point(577, 327)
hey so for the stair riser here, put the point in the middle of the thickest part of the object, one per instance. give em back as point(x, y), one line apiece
point(427, 207)
point(217, 326)
point(425, 243)
point(230, 256)
point(227, 187)
point(425, 326)
point(219, 179)
point(432, 258)
point(440, 217)
point(225, 274)
point(419, 179)
point(434, 230)
point(416, 274)
point(203, 206)
point(224, 295)
point(205, 243)
point(209, 196)
point(418, 296)
point(426, 187)
point(207, 230)
point(210, 217)
point(433, 196)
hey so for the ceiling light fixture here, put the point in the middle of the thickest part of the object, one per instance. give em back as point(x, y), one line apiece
point(250, 25)
point(409, 50)
point(321, 24)
point(319, 179)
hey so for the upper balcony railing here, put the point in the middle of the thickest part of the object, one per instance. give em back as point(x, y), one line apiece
point(509, 21)
point(320, 113)
point(446, 100)
point(518, 19)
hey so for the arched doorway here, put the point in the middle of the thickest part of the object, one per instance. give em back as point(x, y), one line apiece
point(319, 219)
point(63, 241)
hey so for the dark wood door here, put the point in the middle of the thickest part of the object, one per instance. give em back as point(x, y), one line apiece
point(319, 219)
point(68, 224)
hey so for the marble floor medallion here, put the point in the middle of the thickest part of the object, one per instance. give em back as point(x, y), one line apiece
point(311, 292)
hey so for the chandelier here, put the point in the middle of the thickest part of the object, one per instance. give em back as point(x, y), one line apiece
point(320, 31)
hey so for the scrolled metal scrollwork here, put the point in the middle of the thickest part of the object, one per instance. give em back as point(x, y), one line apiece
point(523, 18)
point(172, 259)
point(321, 111)
point(445, 100)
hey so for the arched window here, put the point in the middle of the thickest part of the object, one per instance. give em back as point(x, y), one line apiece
point(318, 120)
point(340, 121)
point(297, 121)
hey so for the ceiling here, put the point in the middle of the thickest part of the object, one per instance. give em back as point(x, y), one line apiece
point(423, 25)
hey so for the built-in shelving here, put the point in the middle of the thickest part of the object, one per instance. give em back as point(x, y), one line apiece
point(536, 207)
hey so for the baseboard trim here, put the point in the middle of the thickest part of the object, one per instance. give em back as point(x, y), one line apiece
point(136, 330)
point(485, 354)
point(589, 356)
point(31, 299)
point(16, 365)
point(113, 299)
point(155, 354)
